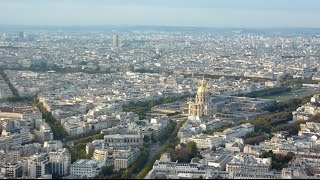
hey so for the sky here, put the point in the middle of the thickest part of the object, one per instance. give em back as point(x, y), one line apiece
point(190, 13)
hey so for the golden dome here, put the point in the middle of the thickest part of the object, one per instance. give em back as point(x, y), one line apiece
point(202, 88)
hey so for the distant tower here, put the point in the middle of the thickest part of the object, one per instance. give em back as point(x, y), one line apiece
point(115, 41)
point(158, 51)
point(21, 35)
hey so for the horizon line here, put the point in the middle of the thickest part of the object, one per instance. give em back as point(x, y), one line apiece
point(139, 25)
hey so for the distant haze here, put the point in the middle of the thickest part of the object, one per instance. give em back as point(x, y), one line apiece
point(207, 13)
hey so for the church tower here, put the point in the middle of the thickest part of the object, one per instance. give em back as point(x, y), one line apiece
point(202, 93)
point(201, 105)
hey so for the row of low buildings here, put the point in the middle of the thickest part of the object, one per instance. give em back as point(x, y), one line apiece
point(219, 139)
point(241, 54)
point(236, 159)
point(308, 110)
point(120, 146)
point(224, 165)
point(20, 125)
point(84, 102)
point(36, 161)
point(119, 150)
point(51, 160)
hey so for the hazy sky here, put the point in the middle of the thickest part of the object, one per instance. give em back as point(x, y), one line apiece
point(209, 13)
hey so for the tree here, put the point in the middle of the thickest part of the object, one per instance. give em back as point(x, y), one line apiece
point(278, 161)
point(106, 170)
point(289, 156)
point(146, 139)
point(151, 104)
point(160, 176)
point(170, 99)
point(182, 155)
point(83, 63)
point(255, 139)
point(192, 149)
point(185, 153)
point(266, 154)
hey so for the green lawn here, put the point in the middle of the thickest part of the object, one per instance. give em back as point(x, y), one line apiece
point(295, 93)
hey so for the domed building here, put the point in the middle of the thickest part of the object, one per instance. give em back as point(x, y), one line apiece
point(200, 106)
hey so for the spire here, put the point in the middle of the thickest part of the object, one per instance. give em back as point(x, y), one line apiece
point(203, 82)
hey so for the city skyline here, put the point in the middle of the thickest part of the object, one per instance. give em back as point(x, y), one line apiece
point(159, 89)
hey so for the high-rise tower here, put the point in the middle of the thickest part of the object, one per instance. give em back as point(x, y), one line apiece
point(115, 41)
point(21, 35)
